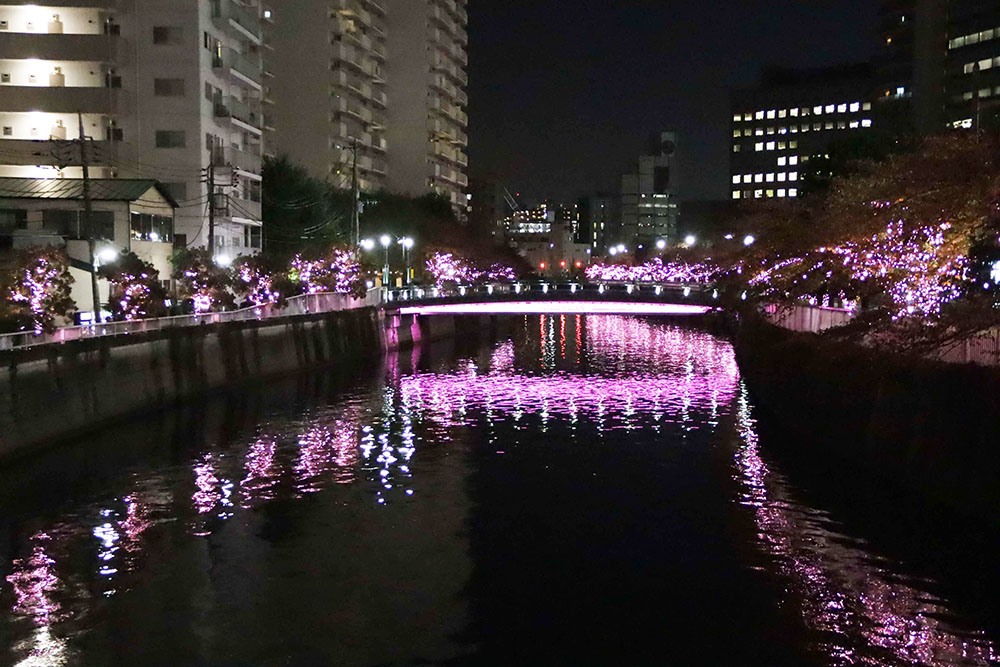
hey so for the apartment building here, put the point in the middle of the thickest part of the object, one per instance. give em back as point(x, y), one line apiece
point(792, 117)
point(379, 93)
point(162, 88)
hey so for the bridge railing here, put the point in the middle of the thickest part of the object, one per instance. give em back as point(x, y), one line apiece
point(548, 289)
point(299, 305)
point(326, 302)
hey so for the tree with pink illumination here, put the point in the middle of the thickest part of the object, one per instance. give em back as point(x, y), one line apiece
point(902, 238)
point(262, 279)
point(445, 268)
point(135, 288)
point(203, 279)
point(34, 289)
point(336, 269)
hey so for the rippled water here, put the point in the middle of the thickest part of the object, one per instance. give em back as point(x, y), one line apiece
point(592, 490)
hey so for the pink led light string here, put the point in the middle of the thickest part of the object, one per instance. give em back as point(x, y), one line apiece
point(449, 268)
point(653, 271)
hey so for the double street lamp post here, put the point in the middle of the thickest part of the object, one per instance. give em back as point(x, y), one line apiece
point(385, 241)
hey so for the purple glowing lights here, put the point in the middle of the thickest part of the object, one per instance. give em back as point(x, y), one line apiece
point(556, 308)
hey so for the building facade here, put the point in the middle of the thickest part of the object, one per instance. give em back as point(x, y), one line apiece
point(649, 197)
point(379, 93)
point(790, 119)
point(163, 90)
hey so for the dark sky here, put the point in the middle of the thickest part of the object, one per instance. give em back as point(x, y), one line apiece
point(564, 93)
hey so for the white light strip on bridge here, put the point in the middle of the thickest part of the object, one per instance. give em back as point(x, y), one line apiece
point(556, 308)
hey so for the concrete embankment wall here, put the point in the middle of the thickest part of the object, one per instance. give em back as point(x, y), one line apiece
point(930, 427)
point(55, 391)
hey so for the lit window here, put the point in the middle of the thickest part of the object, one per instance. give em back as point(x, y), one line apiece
point(736, 148)
point(855, 125)
point(794, 129)
point(758, 178)
point(805, 128)
point(769, 178)
point(782, 145)
point(758, 194)
point(829, 108)
point(793, 192)
point(770, 145)
point(783, 113)
point(781, 193)
point(759, 132)
point(748, 117)
point(841, 108)
point(737, 133)
point(793, 160)
point(782, 130)
point(817, 126)
point(759, 115)
point(828, 126)
point(736, 179)
point(770, 130)
point(793, 175)
point(841, 125)
point(759, 146)
point(817, 110)
point(867, 106)
point(782, 177)
point(855, 107)
point(867, 122)
point(782, 161)
point(747, 178)
point(793, 112)
point(770, 114)
point(737, 118)
point(769, 193)
point(793, 144)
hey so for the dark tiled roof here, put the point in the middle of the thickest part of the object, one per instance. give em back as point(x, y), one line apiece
point(101, 189)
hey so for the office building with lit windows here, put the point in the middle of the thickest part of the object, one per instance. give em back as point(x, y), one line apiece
point(163, 89)
point(939, 63)
point(792, 117)
point(649, 198)
point(380, 79)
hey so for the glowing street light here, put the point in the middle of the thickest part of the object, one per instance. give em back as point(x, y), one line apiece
point(386, 241)
point(621, 248)
point(661, 244)
point(368, 244)
point(108, 255)
point(407, 244)
point(224, 260)
point(749, 240)
point(612, 251)
point(690, 239)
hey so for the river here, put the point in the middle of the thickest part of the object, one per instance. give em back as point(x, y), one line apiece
point(587, 490)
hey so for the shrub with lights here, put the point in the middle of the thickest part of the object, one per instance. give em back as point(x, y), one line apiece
point(34, 289)
point(262, 279)
point(135, 288)
point(337, 269)
point(447, 268)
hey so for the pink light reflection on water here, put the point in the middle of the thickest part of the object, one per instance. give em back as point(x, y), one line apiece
point(682, 368)
point(323, 451)
point(840, 590)
point(34, 580)
point(262, 472)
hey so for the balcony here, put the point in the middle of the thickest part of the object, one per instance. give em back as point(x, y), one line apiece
point(248, 113)
point(242, 66)
point(52, 153)
point(98, 48)
point(244, 209)
point(231, 15)
point(59, 99)
point(244, 160)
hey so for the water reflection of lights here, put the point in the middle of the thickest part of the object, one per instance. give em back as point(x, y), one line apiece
point(840, 590)
point(35, 583)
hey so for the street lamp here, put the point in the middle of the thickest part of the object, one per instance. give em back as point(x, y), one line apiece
point(749, 240)
point(386, 241)
point(690, 239)
point(407, 244)
point(368, 244)
point(661, 244)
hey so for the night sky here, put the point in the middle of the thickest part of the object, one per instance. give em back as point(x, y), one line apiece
point(565, 93)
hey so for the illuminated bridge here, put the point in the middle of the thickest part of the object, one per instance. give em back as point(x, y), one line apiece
point(554, 298)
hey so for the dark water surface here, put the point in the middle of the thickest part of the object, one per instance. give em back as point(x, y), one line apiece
point(592, 490)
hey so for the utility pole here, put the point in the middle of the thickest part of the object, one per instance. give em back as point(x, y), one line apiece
point(355, 188)
point(87, 218)
point(211, 203)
